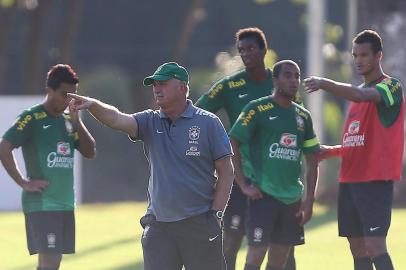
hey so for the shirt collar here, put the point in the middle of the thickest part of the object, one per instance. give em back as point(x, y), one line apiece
point(187, 113)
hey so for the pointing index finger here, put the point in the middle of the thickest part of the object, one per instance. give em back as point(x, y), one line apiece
point(76, 96)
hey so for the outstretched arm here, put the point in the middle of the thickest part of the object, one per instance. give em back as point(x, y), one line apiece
point(344, 90)
point(106, 114)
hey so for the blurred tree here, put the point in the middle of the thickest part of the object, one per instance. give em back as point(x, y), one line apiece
point(34, 42)
point(8, 12)
point(69, 26)
point(194, 15)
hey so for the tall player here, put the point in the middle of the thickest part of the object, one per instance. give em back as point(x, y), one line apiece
point(48, 138)
point(371, 153)
point(232, 93)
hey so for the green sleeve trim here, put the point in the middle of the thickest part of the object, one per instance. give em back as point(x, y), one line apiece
point(385, 88)
point(311, 142)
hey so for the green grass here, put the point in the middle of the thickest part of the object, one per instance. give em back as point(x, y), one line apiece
point(108, 238)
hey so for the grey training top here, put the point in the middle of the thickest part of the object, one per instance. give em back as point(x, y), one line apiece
point(181, 157)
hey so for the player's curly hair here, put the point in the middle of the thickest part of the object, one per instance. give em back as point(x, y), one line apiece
point(61, 73)
point(371, 37)
point(252, 32)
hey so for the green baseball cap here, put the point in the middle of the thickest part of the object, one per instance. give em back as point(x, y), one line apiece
point(168, 71)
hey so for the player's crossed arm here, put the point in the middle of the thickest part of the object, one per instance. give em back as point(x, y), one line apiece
point(106, 114)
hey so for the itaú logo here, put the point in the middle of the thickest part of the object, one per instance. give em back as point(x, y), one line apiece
point(55, 161)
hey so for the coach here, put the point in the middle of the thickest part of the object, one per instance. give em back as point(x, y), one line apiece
point(189, 157)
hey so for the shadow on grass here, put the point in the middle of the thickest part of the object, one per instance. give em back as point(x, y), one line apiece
point(330, 215)
point(131, 266)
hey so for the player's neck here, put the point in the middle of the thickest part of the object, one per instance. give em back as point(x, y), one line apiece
point(48, 108)
point(281, 100)
point(258, 73)
point(173, 112)
point(374, 75)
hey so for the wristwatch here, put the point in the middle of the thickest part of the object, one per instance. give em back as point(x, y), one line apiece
point(217, 213)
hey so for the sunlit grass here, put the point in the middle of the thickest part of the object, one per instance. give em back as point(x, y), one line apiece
point(108, 238)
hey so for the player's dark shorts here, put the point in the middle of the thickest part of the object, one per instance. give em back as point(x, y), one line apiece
point(273, 222)
point(196, 243)
point(364, 209)
point(236, 211)
point(50, 232)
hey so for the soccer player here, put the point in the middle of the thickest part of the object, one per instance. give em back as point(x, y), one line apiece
point(48, 137)
point(277, 131)
point(185, 146)
point(371, 152)
point(232, 93)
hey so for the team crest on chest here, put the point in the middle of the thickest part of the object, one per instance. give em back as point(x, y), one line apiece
point(194, 133)
point(299, 122)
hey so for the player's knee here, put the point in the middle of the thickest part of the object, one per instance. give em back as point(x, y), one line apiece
point(357, 247)
point(255, 255)
point(375, 247)
point(49, 261)
point(232, 243)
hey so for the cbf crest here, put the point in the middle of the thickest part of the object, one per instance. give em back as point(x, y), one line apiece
point(194, 133)
point(299, 122)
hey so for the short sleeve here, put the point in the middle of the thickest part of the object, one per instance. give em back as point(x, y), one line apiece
point(391, 92)
point(21, 130)
point(219, 141)
point(213, 100)
point(311, 142)
point(142, 120)
point(245, 125)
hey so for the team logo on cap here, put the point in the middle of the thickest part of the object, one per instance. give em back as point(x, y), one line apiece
point(288, 140)
point(194, 133)
point(353, 128)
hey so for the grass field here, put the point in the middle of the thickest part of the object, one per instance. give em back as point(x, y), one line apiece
point(108, 238)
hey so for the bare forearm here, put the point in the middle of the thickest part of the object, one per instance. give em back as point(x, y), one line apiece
point(104, 113)
point(223, 186)
point(10, 165)
point(312, 175)
point(348, 91)
point(239, 174)
point(87, 144)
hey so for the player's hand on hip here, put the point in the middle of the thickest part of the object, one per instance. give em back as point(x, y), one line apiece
point(312, 84)
point(80, 102)
point(252, 192)
point(34, 185)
